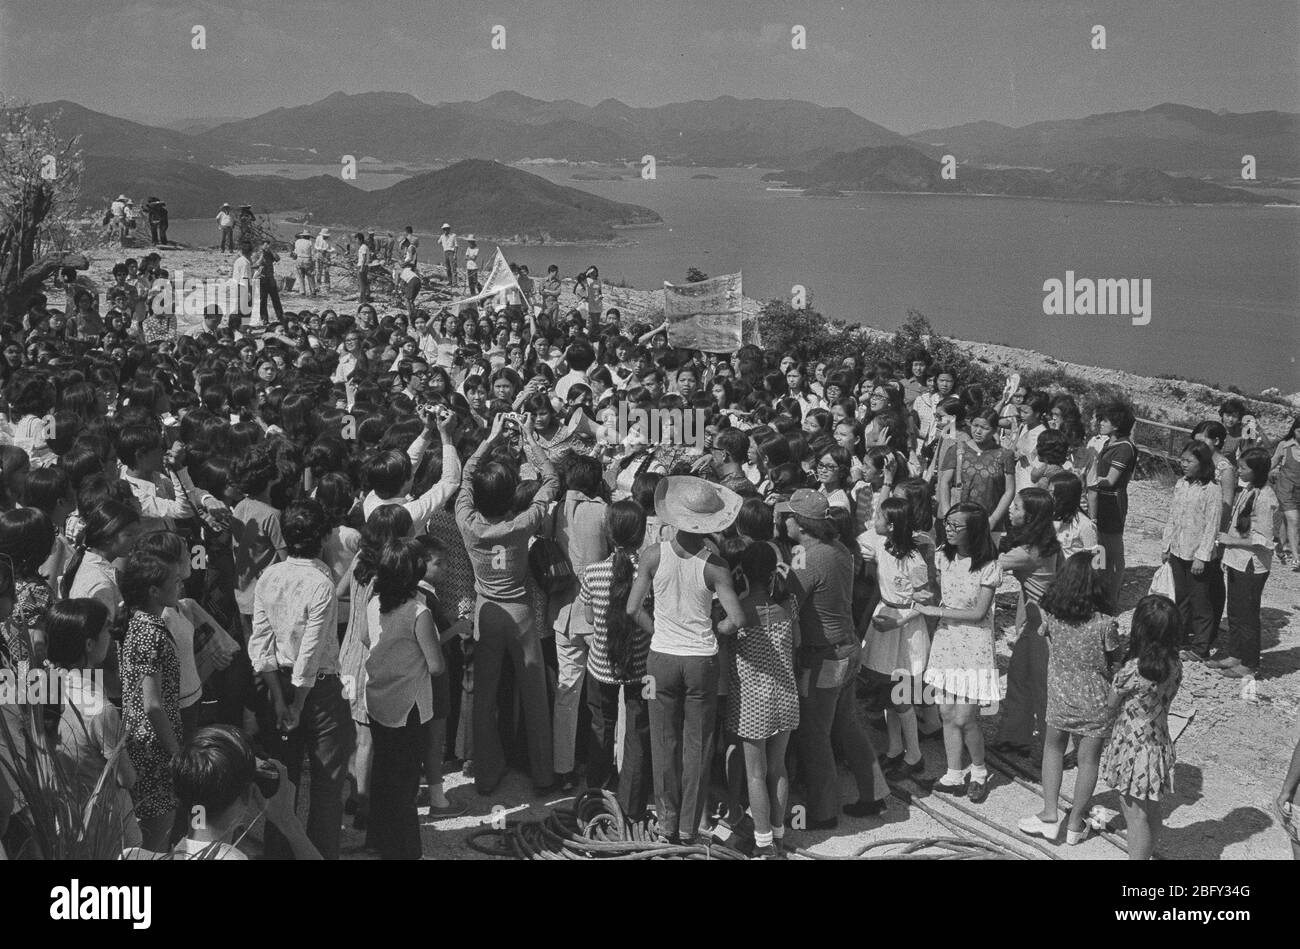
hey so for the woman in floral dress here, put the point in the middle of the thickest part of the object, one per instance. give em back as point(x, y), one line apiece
point(962, 669)
point(1139, 761)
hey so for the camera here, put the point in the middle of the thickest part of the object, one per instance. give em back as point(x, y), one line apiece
point(267, 778)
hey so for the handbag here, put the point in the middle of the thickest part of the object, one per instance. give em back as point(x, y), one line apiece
point(1162, 581)
point(549, 562)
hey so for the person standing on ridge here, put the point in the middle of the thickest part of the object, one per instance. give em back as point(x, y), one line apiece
point(226, 223)
point(447, 240)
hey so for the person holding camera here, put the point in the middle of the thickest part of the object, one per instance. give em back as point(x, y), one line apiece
point(223, 787)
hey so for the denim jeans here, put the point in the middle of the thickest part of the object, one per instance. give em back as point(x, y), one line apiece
point(394, 783)
point(683, 713)
point(634, 777)
point(1245, 589)
point(228, 238)
point(828, 717)
point(327, 736)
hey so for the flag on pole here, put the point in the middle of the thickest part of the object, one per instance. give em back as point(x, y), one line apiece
point(705, 315)
point(499, 279)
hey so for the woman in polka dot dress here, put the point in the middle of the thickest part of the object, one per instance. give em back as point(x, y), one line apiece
point(762, 698)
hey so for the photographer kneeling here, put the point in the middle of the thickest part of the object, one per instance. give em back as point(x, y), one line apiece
point(219, 784)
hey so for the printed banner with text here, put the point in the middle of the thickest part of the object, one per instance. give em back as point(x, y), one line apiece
point(704, 315)
point(499, 279)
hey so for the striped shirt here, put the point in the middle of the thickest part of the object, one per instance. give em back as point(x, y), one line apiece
point(596, 581)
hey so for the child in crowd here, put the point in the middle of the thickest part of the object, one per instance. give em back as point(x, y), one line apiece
point(1139, 758)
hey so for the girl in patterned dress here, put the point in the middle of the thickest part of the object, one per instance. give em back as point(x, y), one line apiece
point(762, 699)
point(1139, 761)
point(1085, 643)
point(26, 538)
point(898, 643)
point(151, 688)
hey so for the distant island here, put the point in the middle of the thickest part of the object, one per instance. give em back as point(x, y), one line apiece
point(496, 201)
point(588, 177)
point(894, 169)
point(704, 177)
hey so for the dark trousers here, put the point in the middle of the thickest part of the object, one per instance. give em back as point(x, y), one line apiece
point(1245, 589)
point(394, 783)
point(1024, 711)
point(153, 232)
point(508, 629)
point(1113, 574)
point(363, 286)
point(683, 714)
point(454, 655)
point(271, 292)
point(228, 238)
point(634, 778)
point(829, 717)
point(472, 277)
point(327, 736)
point(1218, 598)
point(449, 257)
point(1196, 602)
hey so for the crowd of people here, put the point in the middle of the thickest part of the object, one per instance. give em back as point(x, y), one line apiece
point(396, 545)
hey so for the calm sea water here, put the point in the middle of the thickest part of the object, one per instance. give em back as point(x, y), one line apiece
point(1225, 281)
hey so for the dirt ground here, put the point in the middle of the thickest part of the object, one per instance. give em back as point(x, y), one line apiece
point(1232, 754)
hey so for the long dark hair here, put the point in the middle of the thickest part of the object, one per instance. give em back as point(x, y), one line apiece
point(1077, 592)
point(1156, 634)
point(402, 564)
point(980, 539)
point(1067, 496)
point(1038, 532)
point(1257, 460)
point(103, 520)
point(386, 523)
point(898, 521)
point(625, 522)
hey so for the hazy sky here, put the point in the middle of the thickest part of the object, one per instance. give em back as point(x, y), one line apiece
point(907, 64)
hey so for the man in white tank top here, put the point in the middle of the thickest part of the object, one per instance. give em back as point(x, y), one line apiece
point(682, 669)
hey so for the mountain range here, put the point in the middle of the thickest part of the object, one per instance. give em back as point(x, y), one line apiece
point(1114, 156)
point(906, 169)
point(1169, 137)
point(494, 200)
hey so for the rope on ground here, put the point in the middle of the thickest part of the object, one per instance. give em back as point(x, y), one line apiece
point(595, 827)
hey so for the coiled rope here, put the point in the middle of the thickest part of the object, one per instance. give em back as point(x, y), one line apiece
point(595, 827)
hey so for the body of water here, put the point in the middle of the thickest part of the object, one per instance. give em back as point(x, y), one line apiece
point(1225, 287)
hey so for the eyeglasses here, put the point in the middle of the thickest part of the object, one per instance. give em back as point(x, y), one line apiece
point(952, 525)
point(826, 466)
point(421, 373)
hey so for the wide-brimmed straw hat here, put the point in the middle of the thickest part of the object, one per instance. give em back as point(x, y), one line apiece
point(122, 197)
point(696, 506)
point(446, 227)
point(303, 233)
